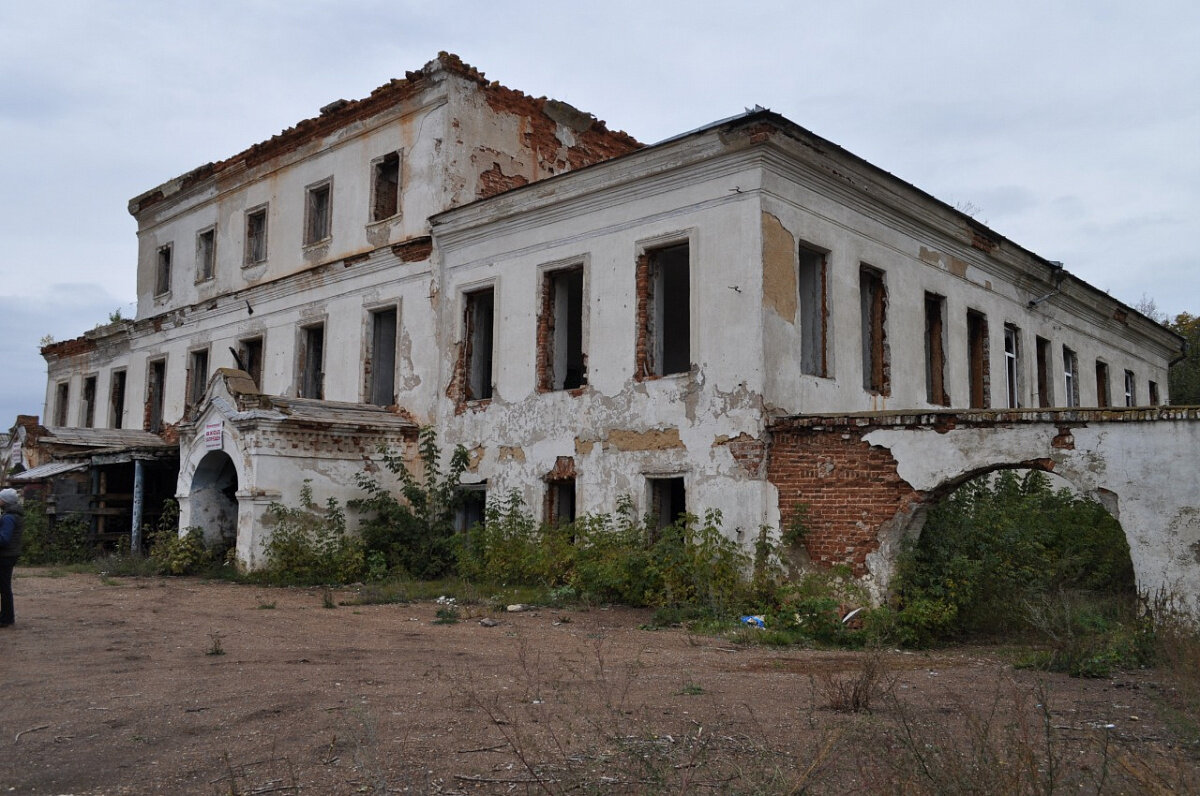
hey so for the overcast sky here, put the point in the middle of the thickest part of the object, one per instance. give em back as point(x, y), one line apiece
point(1073, 127)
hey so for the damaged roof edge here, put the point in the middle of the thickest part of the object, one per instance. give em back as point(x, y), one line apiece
point(339, 113)
point(759, 115)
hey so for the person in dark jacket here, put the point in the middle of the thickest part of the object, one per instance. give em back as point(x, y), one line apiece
point(12, 524)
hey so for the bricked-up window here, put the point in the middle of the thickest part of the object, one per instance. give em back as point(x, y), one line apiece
point(812, 281)
point(561, 359)
point(206, 254)
point(1152, 386)
point(478, 339)
point(668, 500)
point(1045, 385)
point(1103, 396)
point(978, 377)
point(664, 312)
point(88, 408)
point(312, 362)
point(380, 365)
point(116, 400)
point(256, 236)
point(1070, 377)
point(935, 350)
point(385, 187)
point(472, 507)
point(318, 213)
point(162, 270)
point(156, 385)
point(1012, 365)
point(62, 394)
point(249, 358)
point(1130, 389)
point(197, 376)
point(876, 364)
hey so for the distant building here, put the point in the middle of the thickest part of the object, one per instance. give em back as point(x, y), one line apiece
point(591, 318)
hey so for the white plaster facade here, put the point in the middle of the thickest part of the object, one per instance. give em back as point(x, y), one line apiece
point(491, 200)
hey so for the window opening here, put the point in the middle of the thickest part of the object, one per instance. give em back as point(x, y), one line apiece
point(664, 338)
point(472, 507)
point(117, 400)
point(935, 350)
point(1070, 377)
point(560, 501)
point(197, 376)
point(156, 377)
point(1130, 389)
point(1012, 365)
point(162, 274)
point(62, 394)
point(249, 358)
point(1103, 397)
point(386, 187)
point(561, 359)
point(381, 359)
point(875, 354)
point(668, 500)
point(206, 255)
point(1152, 386)
point(1044, 383)
point(814, 312)
point(318, 213)
point(89, 402)
point(256, 236)
point(312, 363)
point(479, 319)
point(977, 365)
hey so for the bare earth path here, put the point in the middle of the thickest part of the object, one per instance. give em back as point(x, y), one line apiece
point(108, 686)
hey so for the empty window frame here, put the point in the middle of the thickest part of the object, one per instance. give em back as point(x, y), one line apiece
point(663, 312)
point(876, 365)
point(380, 364)
point(1130, 389)
point(62, 395)
point(116, 400)
point(156, 378)
point(385, 187)
point(1070, 377)
point(667, 500)
point(812, 281)
point(256, 236)
point(318, 212)
point(478, 340)
point(978, 376)
point(935, 350)
point(162, 270)
point(311, 365)
point(206, 254)
point(472, 507)
point(1045, 385)
point(560, 501)
point(87, 409)
point(1012, 366)
point(249, 358)
point(1152, 387)
point(562, 363)
point(197, 376)
point(1103, 393)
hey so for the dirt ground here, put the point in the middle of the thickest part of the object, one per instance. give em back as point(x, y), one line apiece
point(115, 686)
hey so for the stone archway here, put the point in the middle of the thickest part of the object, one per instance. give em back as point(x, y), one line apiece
point(213, 497)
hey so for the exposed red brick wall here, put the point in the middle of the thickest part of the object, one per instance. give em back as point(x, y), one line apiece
point(850, 489)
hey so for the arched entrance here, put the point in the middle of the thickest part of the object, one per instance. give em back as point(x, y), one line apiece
point(213, 497)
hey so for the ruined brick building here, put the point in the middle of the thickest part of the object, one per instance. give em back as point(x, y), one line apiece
point(590, 317)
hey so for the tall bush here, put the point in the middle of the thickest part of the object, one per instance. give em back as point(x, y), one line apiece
point(309, 544)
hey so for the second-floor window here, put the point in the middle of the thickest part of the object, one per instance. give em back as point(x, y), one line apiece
point(162, 271)
point(385, 187)
point(1070, 377)
point(206, 254)
point(256, 236)
point(318, 213)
